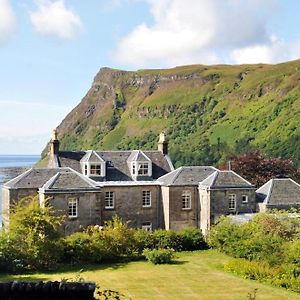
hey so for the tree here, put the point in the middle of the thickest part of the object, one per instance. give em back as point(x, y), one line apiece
point(34, 234)
point(258, 168)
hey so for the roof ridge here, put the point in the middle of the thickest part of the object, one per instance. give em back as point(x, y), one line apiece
point(48, 184)
point(215, 176)
point(241, 177)
point(19, 177)
point(179, 170)
point(269, 191)
point(86, 179)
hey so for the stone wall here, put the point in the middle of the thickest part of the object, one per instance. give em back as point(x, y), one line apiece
point(219, 202)
point(89, 207)
point(180, 218)
point(128, 205)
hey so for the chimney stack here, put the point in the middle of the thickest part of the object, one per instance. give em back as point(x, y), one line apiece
point(163, 143)
point(54, 144)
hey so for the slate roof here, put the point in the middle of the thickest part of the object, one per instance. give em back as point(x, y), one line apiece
point(118, 169)
point(279, 191)
point(31, 179)
point(187, 175)
point(225, 179)
point(138, 155)
point(91, 156)
point(68, 179)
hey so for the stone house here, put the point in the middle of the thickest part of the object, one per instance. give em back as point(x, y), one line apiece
point(90, 187)
point(278, 193)
point(224, 193)
point(180, 196)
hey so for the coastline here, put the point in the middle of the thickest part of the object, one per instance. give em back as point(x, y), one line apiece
point(8, 173)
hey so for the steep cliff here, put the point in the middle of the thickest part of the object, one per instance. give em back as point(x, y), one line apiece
point(208, 111)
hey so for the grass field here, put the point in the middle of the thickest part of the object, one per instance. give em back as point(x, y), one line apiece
point(195, 275)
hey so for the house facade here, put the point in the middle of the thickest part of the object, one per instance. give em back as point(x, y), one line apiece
point(90, 187)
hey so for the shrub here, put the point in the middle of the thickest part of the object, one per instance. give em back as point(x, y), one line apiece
point(159, 256)
point(114, 241)
point(8, 257)
point(78, 248)
point(292, 252)
point(34, 235)
point(251, 269)
point(192, 239)
point(167, 239)
point(143, 239)
point(249, 240)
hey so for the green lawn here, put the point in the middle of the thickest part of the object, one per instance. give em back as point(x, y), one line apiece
point(196, 275)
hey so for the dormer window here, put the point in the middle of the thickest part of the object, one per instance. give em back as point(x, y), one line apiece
point(143, 169)
point(139, 164)
point(93, 165)
point(95, 170)
point(92, 169)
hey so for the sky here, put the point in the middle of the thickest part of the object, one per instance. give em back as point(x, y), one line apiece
point(50, 50)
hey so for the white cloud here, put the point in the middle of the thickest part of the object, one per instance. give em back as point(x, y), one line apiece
point(201, 31)
point(273, 52)
point(7, 20)
point(53, 18)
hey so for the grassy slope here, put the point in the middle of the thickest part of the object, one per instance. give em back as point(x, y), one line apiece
point(197, 275)
point(259, 103)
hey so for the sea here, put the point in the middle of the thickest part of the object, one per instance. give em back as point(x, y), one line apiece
point(13, 165)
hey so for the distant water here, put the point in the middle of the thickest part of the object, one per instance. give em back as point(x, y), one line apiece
point(18, 160)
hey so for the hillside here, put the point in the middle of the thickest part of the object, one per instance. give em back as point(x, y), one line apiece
point(208, 111)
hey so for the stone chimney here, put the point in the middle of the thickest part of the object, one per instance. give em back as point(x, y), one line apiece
point(54, 144)
point(162, 145)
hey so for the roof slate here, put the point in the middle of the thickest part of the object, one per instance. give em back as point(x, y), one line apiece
point(91, 156)
point(225, 179)
point(138, 155)
point(66, 179)
point(119, 171)
point(33, 178)
point(187, 175)
point(279, 191)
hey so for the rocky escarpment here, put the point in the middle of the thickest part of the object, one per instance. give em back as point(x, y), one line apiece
point(209, 111)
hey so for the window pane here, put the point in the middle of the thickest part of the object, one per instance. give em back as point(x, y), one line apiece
point(146, 198)
point(109, 199)
point(147, 226)
point(186, 200)
point(95, 170)
point(72, 207)
point(245, 199)
point(232, 201)
point(143, 169)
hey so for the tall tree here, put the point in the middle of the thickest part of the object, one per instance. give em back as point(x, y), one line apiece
point(258, 168)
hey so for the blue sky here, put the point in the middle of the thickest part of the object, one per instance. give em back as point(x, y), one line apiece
point(50, 50)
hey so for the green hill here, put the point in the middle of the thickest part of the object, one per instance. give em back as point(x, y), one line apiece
point(208, 111)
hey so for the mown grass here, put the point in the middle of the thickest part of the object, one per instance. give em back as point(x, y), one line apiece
point(194, 275)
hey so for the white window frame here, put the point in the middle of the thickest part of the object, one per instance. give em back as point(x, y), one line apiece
point(133, 169)
point(147, 226)
point(232, 202)
point(95, 169)
point(72, 207)
point(89, 166)
point(245, 200)
point(186, 200)
point(146, 198)
point(143, 169)
point(109, 200)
